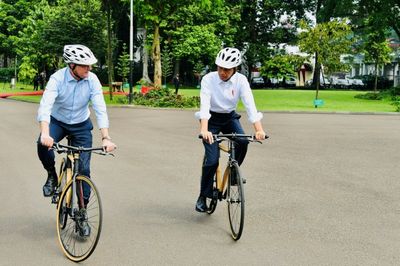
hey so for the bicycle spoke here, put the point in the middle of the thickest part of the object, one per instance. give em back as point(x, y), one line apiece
point(235, 203)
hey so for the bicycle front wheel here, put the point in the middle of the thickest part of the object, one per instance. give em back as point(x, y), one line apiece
point(235, 200)
point(79, 219)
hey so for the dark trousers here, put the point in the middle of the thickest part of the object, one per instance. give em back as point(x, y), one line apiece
point(81, 136)
point(225, 123)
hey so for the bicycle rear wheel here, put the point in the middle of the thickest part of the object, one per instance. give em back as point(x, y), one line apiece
point(235, 200)
point(79, 223)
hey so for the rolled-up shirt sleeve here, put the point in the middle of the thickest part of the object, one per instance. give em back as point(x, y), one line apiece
point(98, 103)
point(47, 101)
point(205, 100)
point(248, 101)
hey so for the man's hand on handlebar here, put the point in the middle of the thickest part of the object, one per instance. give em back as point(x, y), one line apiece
point(46, 141)
point(207, 136)
point(260, 135)
point(108, 145)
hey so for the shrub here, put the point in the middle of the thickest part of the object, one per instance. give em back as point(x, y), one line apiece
point(163, 98)
point(6, 73)
point(369, 96)
point(396, 102)
point(369, 81)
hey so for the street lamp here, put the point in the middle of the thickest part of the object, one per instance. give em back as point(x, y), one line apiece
point(131, 54)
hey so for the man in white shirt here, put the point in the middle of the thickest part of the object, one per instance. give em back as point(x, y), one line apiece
point(219, 95)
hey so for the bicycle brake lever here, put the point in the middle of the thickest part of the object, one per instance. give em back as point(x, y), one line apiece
point(103, 153)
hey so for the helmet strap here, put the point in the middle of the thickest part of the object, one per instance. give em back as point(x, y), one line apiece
point(234, 71)
point(74, 74)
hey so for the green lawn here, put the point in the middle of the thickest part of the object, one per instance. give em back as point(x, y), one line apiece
point(302, 100)
point(275, 100)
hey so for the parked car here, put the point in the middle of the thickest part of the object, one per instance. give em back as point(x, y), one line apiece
point(257, 82)
point(290, 82)
point(340, 83)
point(324, 83)
point(356, 83)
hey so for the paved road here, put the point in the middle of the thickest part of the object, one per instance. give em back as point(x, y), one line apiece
point(323, 191)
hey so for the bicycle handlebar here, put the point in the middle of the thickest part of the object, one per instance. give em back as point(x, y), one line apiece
point(221, 137)
point(60, 148)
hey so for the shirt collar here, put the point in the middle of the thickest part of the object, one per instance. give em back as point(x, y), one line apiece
point(70, 77)
point(230, 81)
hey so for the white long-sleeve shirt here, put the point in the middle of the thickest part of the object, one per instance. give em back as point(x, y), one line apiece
point(219, 96)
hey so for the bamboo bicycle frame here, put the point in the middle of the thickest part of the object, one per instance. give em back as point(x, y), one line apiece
point(222, 179)
point(69, 160)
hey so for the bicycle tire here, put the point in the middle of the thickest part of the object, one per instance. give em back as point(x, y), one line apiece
point(235, 201)
point(75, 246)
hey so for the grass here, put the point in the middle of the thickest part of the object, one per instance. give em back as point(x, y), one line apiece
point(272, 100)
point(302, 100)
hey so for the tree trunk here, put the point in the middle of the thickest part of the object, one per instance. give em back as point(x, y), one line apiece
point(5, 61)
point(110, 67)
point(156, 55)
point(176, 66)
point(317, 74)
point(145, 59)
point(376, 78)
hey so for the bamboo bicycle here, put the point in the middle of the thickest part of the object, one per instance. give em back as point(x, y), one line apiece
point(229, 185)
point(79, 211)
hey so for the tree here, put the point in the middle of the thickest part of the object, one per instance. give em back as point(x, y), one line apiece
point(156, 12)
point(267, 24)
point(12, 14)
point(382, 13)
point(123, 65)
point(327, 41)
point(196, 34)
point(281, 66)
point(109, 6)
point(166, 65)
point(48, 28)
point(376, 50)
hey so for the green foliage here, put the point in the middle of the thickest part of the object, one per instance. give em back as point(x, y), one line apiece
point(376, 49)
point(369, 96)
point(281, 66)
point(265, 24)
point(195, 33)
point(12, 14)
point(123, 65)
point(196, 42)
point(392, 94)
point(166, 63)
point(6, 73)
point(396, 103)
point(163, 98)
point(48, 28)
point(329, 40)
point(27, 69)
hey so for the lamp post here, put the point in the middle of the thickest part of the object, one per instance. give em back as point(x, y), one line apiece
point(131, 54)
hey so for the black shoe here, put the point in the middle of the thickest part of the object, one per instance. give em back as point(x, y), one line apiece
point(51, 182)
point(83, 225)
point(201, 205)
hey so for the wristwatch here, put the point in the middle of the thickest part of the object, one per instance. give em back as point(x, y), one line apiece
point(106, 137)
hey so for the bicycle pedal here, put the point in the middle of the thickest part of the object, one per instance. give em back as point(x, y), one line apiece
point(54, 198)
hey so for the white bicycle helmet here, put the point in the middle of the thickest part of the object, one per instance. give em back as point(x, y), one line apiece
point(78, 54)
point(228, 58)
